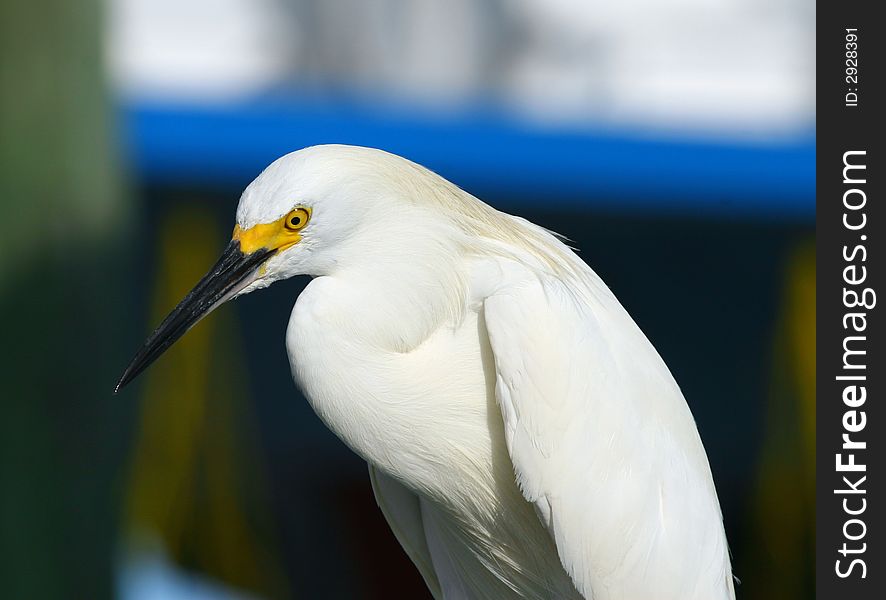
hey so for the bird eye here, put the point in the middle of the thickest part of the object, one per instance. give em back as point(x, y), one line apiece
point(297, 219)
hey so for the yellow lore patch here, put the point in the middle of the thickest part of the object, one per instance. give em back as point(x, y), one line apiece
point(278, 235)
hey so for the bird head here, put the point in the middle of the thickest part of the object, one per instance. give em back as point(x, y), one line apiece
point(300, 216)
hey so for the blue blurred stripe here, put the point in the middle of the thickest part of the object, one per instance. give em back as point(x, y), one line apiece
point(490, 156)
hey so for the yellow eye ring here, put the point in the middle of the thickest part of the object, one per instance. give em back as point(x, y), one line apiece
point(297, 219)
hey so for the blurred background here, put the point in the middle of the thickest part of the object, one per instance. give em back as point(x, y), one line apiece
point(672, 141)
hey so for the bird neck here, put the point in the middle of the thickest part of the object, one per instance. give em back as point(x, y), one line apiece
point(414, 287)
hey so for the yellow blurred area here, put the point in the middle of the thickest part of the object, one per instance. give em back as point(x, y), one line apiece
point(187, 485)
point(783, 519)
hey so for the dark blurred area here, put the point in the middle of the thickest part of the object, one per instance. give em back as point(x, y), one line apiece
point(127, 131)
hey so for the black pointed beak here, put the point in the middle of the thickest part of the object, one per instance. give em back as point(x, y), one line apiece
point(231, 274)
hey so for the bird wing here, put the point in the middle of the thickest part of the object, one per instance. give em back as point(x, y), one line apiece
point(402, 509)
point(603, 443)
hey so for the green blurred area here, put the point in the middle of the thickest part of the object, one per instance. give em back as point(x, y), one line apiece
point(216, 459)
point(63, 296)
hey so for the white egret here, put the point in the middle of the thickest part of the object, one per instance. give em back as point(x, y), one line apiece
point(524, 438)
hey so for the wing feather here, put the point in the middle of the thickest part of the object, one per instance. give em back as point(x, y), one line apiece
point(402, 509)
point(603, 444)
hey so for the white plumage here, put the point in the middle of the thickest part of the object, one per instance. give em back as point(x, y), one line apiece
point(524, 438)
